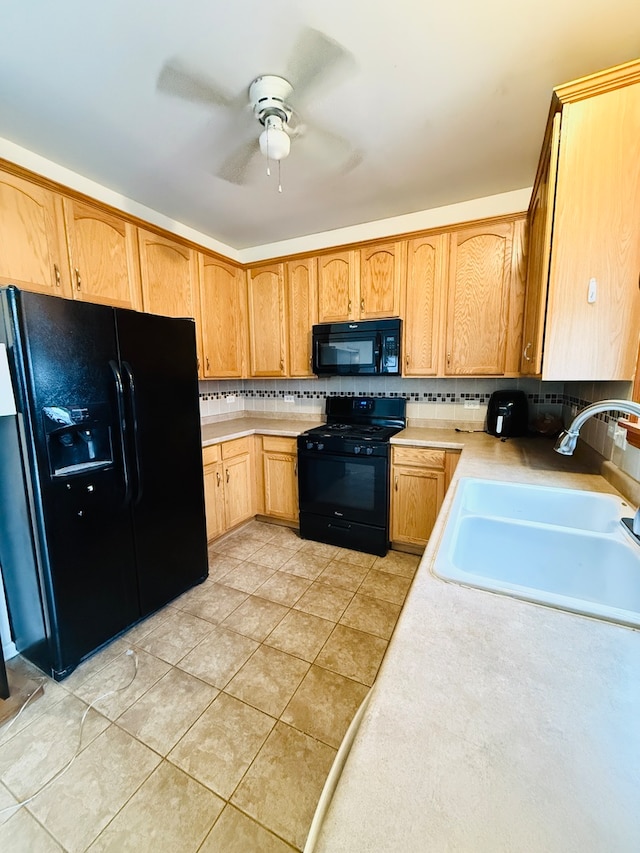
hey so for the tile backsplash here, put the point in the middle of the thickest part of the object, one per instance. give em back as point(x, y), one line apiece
point(460, 400)
point(428, 400)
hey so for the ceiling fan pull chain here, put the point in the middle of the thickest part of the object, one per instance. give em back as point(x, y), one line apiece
point(279, 181)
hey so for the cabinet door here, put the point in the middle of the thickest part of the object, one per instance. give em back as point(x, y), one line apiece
point(169, 276)
point(425, 298)
point(593, 314)
point(415, 502)
point(381, 271)
point(103, 256)
point(238, 489)
point(267, 321)
point(214, 500)
point(302, 293)
point(337, 290)
point(33, 254)
point(223, 301)
point(280, 485)
point(540, 227)
point(478, 300)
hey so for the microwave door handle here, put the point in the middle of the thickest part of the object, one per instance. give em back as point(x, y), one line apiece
point(378, 353)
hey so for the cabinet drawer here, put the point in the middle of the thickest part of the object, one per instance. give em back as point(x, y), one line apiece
point(425, 457)
point(279, 443)
point(236, 447)
point(210, 454)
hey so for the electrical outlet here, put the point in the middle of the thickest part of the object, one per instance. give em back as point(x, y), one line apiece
point(472, 404)
point(230, 398)
point(289, 398)
point(620, 437)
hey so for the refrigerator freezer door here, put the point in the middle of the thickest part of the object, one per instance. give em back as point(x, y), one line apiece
point(81, 523)
point(159, 368)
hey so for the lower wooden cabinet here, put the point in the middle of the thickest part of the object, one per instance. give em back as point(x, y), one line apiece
point(280, 473)
point(420, 477)
point(228, 485)
point(213, 491)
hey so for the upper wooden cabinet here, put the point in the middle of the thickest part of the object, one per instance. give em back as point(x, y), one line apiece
point(362, 284)
point(302, 303)
point(424, 304)
point(33, 254)
point(337, 278)
point(540, 219)
point(223, 310)
point(588, 222)
point(480, 265)
point(103, 256)
point(267, 321)
point(169, 272)
point(381, 273)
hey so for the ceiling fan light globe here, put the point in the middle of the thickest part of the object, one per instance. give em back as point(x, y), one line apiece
point(275, 144)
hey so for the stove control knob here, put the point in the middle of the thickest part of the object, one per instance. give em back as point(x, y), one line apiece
point(369, 451)
point(357, 448)
point(320, 446)
point(309, 445)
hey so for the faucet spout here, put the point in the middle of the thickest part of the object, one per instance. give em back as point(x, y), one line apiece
point(568, 438)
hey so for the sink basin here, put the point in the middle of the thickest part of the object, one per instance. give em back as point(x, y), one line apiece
point(560, 547)
point(591, 511)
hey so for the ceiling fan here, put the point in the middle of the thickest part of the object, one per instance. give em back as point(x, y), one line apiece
point(265, 119)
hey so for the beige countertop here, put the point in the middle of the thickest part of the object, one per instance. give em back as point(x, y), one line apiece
point(214, 433)
point(495, 724)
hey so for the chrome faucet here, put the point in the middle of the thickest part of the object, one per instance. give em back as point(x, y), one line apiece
point(568, 438)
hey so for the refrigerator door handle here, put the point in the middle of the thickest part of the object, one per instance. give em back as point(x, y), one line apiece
point(121, 429)
point(133, 406)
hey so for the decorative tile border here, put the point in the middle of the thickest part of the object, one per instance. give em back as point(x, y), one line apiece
point(410, 396)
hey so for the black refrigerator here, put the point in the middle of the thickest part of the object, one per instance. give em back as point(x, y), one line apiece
point(101, 493)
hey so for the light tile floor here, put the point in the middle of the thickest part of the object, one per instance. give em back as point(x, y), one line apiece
point(222, 742)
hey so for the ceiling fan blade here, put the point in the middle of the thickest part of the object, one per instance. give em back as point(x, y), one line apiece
point(330, 150)
point(175, 79)
point(317, 60)
point(234, 168)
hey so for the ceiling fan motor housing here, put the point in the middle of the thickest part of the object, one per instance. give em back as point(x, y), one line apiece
point(268, 96)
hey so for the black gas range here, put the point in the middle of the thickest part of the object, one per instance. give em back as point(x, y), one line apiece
point(343, 473)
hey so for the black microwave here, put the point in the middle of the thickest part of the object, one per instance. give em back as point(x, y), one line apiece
point(370, 348)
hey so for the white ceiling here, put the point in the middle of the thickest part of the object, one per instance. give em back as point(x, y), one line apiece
point(446, 102)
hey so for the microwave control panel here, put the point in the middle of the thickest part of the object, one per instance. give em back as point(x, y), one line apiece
point(390, 352)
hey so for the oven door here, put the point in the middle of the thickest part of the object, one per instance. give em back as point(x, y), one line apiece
point(353, 488)
point(346, 353)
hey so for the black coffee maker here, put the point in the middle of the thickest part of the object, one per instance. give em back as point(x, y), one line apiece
point(507, 414)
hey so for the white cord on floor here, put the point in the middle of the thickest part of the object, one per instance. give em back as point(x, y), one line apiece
point(64, 769)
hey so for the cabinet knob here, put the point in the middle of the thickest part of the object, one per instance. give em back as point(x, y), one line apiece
point(57, 274)
point(396, 483)
point(525, 352)
point(407, 360)
point(295, 468)
point(448, 359)
point(281, 365)
point(218, 477)
point(349, 307)
point(227, 470)
point(207, 361)
point(78, 279)
point(362, 304)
